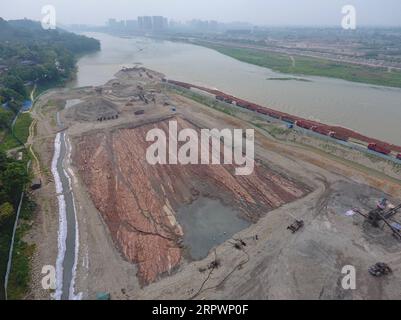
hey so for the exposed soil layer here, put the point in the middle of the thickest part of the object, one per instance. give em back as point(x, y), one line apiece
point(138, 201)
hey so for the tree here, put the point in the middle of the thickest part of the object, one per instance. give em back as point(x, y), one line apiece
point(5, 118)
point(10, 94)
point(14, 177)
point(6, 212)
point(15, 83)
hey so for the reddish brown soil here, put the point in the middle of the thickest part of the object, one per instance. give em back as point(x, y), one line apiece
point(138, 200)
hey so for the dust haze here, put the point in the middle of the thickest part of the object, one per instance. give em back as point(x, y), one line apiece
point(280, 13)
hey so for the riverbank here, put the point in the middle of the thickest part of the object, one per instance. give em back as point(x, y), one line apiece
point(357, 158)
point(371, 110)
point(308, 66)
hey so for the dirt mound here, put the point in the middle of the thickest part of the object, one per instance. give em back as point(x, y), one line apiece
point(93, 110)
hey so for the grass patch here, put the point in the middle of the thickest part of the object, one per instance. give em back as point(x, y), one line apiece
point(289, 79)
point(21, 128)
point(20, 275)
point(5, 238)
point(313, 66)
point(20, 135)
point(9, 142)
point(276, 131)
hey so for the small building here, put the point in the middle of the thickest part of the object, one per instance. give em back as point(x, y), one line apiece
point(36, 184)
point(27, 62)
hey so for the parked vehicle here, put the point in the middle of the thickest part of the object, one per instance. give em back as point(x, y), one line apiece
point(338, 136)
point(379, 148)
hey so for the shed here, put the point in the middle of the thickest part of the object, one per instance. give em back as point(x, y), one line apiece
point(36, 184)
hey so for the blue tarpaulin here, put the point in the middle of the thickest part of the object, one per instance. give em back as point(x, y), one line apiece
point(102, 296)
point(26, 105)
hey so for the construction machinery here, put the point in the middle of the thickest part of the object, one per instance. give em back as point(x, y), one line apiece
point(384, 212)
point(379, 148)
point(294, 227)
point(380, 269)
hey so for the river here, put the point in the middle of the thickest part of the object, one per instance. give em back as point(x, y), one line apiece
point(372, 110)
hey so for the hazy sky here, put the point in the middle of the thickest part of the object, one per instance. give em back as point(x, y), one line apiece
point(263, 12)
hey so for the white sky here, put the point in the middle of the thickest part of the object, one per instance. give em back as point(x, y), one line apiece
point(262, 12)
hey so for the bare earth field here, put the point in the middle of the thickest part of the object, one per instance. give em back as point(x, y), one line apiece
point(131, 241)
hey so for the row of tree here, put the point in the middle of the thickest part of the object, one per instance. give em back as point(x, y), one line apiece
point(30, 54)
point(13, 178)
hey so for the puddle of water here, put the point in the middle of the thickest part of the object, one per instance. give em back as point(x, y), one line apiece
point(207, 223)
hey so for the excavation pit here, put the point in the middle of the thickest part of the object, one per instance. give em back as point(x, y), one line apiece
point(206, 223)
point(141, 202)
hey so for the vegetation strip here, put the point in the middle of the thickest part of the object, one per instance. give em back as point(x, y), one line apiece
point(310, 66)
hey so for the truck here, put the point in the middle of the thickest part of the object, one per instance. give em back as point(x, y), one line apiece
point(224, 98)
point(304, 124)
point(242, 104)
point(379, 148)
point(338, 136)
point(274, 114)
point(322, 130)
point(289, 119)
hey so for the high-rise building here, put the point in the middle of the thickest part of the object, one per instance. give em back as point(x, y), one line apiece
point(159, 23)
point(112, 22)
point(116, 25)
point(145, 23)
point(140, 23)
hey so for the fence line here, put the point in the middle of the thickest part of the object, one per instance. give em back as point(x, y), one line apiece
point(10, 254)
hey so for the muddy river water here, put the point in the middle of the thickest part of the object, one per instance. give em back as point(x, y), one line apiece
point(371, 110)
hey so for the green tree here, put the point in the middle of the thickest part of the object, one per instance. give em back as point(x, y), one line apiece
point(13, 178)
point(5, 118)
point(6, 212)
point(15, 83)
point(8, 94)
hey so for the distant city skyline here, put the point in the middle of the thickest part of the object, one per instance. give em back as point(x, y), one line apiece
point(258, 12)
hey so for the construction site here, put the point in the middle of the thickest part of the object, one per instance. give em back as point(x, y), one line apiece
point(199, 231)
